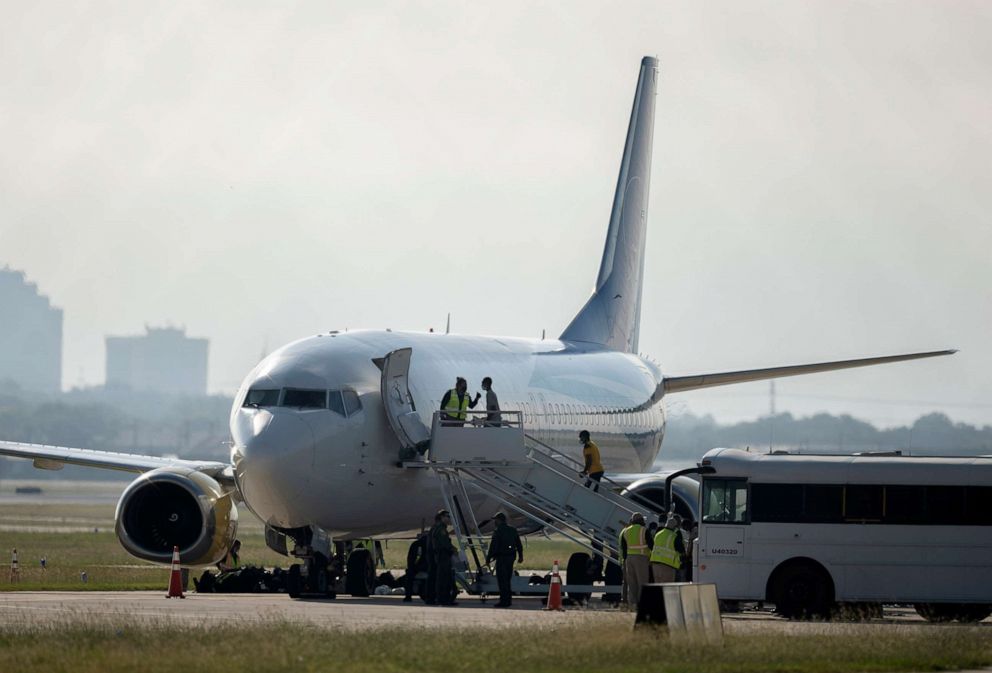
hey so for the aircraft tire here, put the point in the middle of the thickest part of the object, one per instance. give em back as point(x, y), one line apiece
point(294, 581)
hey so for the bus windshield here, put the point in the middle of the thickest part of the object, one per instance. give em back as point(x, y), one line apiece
point(725, 501)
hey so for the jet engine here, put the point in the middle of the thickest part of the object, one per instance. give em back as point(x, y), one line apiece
point(650, 491)
point(177, 507)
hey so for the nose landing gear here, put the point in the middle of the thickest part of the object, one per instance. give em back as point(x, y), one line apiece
point(314, 578)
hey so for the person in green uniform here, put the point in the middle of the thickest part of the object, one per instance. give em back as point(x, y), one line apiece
point(443, 549)
point(504, 547)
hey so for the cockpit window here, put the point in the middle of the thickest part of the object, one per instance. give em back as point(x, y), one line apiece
point(261, 398)
point(335, 404)
point(305, 399)
point(351, 402)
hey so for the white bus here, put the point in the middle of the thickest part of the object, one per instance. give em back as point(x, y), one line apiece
point(808, 531)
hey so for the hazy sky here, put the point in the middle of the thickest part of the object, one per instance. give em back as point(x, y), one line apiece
point(822, 180)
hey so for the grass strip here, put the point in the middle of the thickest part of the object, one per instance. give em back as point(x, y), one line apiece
point(281, 646)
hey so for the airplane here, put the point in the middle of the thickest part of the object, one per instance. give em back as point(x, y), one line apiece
point(321, 427)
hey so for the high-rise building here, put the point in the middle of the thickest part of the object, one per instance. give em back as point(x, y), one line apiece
point(30, 335)
point(163, 360)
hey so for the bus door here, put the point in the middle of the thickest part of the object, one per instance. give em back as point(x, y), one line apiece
point(723, 548)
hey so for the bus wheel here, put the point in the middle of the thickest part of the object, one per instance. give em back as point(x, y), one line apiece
point(802, 591)
point(948, 612)
point(577, 572)
point(973, 612)
point(360, 577)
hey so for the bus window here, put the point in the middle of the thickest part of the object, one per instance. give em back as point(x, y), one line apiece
point(863, 503)
point(725, 501)
point(979, 506)
point(823, 504)
point(776, 502)
point(905, 504)
point(945, 504)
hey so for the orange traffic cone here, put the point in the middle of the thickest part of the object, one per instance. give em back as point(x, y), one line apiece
point(554, 591)
point(175, 579)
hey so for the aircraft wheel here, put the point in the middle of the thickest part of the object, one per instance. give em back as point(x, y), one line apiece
point(359, 579)
point(293, 581)
point(577, 572)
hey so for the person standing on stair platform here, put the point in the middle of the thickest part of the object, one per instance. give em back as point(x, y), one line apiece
point(456, 403)
point(668, 551)
point(443, 548)
point(593, 470)
point(504, 547)
point(634, 552)
point(493, 417)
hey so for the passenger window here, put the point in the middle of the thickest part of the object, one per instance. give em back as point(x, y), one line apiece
point(352, 404)
point(305, 399)
point(334, 402)
point(725, 501)
point(261, 398)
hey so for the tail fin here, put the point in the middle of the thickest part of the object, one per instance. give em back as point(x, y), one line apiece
point(612, 316)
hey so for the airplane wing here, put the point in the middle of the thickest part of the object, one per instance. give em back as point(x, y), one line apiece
point(55, 457)
point(680, 384)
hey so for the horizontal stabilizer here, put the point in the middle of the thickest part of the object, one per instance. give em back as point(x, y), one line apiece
point(680, 384)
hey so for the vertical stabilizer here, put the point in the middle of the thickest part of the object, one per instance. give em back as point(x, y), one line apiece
point(612, 315)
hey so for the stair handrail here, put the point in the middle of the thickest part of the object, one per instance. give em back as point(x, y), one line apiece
point(555, 454)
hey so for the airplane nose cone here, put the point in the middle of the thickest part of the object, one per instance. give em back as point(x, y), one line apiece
point(273, 457)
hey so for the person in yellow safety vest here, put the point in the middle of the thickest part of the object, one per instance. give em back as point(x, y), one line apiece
point(456, 403)
point(668, 550)
point(635, 549)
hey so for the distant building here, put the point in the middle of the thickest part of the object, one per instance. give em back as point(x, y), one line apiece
point(162, 360)
point(30, 335)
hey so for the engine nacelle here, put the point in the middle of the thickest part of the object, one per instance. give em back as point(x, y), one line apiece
point(177, 507)
point(651, 491)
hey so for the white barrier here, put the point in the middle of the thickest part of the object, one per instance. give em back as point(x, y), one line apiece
point(689, 610)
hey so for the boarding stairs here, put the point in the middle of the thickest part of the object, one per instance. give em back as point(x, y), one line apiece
point(501, 462)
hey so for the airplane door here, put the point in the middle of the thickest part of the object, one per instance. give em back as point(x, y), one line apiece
point(401, 412)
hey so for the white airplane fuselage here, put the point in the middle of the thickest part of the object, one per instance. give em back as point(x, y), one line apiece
point(318, 467)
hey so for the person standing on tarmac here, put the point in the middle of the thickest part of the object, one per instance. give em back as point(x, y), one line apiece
point(635, 548)
point(593, 470)
point(668, 550)
point(416, 560)
point(443, 548)
point(504, 547)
